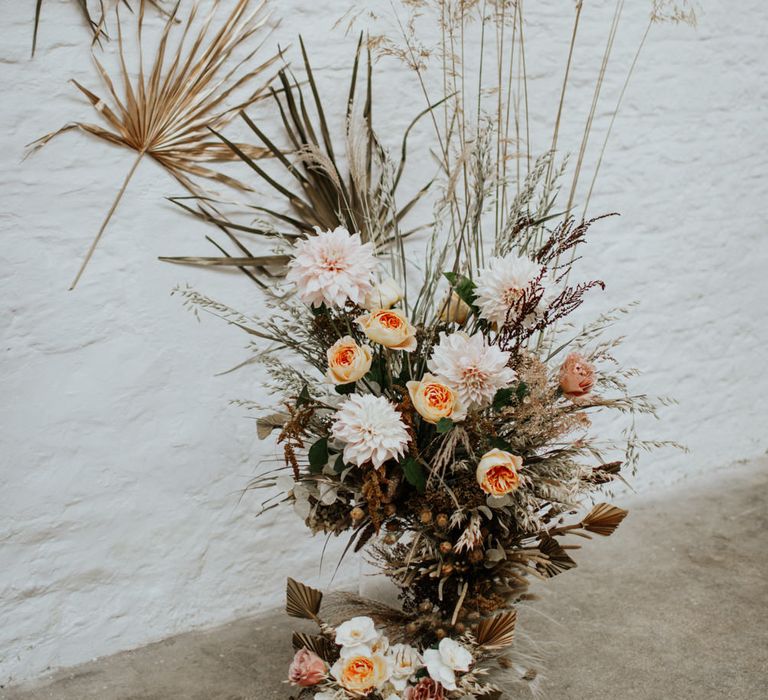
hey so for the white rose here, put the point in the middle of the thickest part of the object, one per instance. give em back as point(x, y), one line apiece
point(405, 662)
point(384, 295)
point(348, 361)
point(443, 662)
point(434, 399)
point(357, 632)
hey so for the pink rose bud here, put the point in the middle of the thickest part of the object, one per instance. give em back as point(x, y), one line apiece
point(307, 669)
point(577, 376)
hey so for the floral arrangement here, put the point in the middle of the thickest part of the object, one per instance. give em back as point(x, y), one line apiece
point(356, 659)
point(436, 402)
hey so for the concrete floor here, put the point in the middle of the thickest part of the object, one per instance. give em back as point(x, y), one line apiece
point(675, 605)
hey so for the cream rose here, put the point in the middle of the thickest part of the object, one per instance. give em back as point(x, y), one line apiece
point(362, 674)
point(348, 361)
point(434, 399)
point(384, 295)
point(390, 328)
point(453, 309)
point(577, 376)
point(497, 472)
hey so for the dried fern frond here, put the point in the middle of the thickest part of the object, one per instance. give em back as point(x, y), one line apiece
point(321, 646)
point(167, 113)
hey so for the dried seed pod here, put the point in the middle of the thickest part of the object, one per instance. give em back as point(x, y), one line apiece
point(411, 628)
point(442, 521)
point(425, 607)
point(390, 509)
point(445, 547)
point(440, 633)
point(357, 513)
point(476, 556)
point(447, 569)
point(390, 539)
point(426, 517)
point(460, 627)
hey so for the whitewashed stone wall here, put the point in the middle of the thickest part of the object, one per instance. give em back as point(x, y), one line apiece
point(122, 462)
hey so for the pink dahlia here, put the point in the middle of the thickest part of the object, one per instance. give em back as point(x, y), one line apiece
point(332, 267)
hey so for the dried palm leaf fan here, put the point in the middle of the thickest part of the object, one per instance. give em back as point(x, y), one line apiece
point(97, 26)
point(166, 114)
point(319, 189)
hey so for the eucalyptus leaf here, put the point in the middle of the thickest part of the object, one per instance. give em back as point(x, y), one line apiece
point(414, 473)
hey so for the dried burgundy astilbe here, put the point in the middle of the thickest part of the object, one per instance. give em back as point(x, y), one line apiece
point(565, 237)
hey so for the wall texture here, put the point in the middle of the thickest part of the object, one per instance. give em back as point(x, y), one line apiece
point(121, 459)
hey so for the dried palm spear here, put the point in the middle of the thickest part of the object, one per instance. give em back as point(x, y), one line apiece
point(97, 26)
point(317, 187)
point(167, 112)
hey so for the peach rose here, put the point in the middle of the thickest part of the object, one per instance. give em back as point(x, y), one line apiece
point(435, 400)
point(390, 328)
point(348, 361)
point(453, 309)
point(577, 376)
point(363, 673)
point(306, 669)
point(497, 472)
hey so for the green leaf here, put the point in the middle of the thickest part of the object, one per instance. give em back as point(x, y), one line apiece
point(414, 473)
point(522, 391)
point(500, 444)
point(445, 425)
point(318, 456)
point(304, 397)
point(463, 286)
point(344, 389)
point(378, 370)
point(338, 465)
point(502, 398)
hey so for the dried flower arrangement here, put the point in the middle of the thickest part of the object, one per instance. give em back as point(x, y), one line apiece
point(439, 417)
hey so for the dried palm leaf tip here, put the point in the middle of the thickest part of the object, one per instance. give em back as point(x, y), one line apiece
point(167, 113)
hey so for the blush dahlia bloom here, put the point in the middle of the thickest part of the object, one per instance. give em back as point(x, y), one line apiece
point(371, 430)
point(331, 267)
point(474, 369)
point(502, 283)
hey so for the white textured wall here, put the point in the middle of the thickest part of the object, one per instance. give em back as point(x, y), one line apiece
point(122, 462)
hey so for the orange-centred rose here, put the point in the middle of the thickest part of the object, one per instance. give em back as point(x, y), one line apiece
point(390, 328)
point(362, 674)
point(577, 376)
point(434, 399)
point(348, 361)
point(498, 472)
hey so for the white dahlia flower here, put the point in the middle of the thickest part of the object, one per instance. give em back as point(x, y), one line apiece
point(473, 368)
point(502, 283)
point(371, 430)
point(331, 267)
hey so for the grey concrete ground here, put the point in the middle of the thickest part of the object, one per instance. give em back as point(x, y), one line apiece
point(675, 605)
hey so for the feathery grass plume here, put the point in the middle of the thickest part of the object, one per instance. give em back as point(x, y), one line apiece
point(167, 113)
point(325, 188)
point(96, 26)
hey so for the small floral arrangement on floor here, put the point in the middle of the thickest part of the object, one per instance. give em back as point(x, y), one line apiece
point(356, 659)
